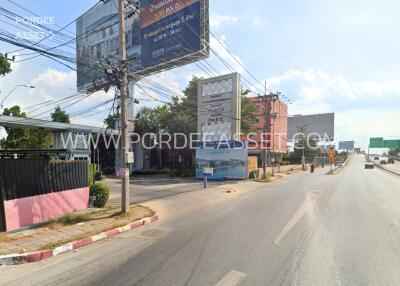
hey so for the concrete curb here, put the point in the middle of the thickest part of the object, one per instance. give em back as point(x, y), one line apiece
point(29, 257)
point(338, 169)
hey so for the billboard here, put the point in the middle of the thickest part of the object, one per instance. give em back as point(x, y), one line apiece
point(346, 145)
point(165, 35)
point(228, 160)
point(321, 124)
point(219, 108)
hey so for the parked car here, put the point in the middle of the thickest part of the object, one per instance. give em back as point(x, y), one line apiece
point(376, 158)
point(383, 162)
point(369, 165)
point(390, 161)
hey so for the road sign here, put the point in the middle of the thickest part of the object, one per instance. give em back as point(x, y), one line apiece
point(208, 171)
point(332, 154)
point(376, 142)
point(122, 173)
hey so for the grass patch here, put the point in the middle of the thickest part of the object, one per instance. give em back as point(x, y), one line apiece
point(135, 213)
point(264, 181)
point(71, 219)
point(267, 179)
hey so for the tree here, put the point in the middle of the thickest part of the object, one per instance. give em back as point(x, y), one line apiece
point(22, 138)
point(5, 66)
point(112, 119)
point(248, 113)
point(59, 115)
point(394, 152)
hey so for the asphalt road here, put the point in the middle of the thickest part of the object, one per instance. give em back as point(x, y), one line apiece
point(144, 189)
point(393, 167)
point(306, 229)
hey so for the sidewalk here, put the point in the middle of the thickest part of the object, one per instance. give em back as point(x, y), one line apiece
point(70, 228)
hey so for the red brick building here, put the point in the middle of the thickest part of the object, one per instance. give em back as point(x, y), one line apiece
point(275, 138)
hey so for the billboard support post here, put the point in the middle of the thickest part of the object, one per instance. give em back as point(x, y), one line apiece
point(124, 108)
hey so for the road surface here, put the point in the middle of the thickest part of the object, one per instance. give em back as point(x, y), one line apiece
point(306, 229)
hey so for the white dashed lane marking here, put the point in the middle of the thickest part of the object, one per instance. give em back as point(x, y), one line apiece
point(233, 278)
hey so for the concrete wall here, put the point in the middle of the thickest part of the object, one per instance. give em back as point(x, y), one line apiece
point(33, 210)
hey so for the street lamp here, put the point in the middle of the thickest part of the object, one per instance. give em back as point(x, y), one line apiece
point(15, 87)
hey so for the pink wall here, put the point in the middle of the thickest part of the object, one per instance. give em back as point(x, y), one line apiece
point(32, 210)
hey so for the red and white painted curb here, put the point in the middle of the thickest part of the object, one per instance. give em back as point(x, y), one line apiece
point(14, 259)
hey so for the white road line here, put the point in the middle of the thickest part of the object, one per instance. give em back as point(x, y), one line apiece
point(233, 278)
point(306, 207)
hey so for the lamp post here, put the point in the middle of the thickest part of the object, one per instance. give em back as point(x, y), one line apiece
point(15, 87)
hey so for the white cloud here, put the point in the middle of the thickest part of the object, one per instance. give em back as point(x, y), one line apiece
point(315, 91)
point(217, 21)
point(361, 124)
point(363, 109)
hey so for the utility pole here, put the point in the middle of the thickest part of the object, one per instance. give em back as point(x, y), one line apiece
point(267, 100)
point(124, 108)
point(303, 129)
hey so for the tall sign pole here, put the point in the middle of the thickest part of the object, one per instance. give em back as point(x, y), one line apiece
point(124, 108)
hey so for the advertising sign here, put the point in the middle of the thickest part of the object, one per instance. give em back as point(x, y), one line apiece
point(166, 34)
point(346, 145)
point(318, 126)
point(219, 105)
point(227, 161)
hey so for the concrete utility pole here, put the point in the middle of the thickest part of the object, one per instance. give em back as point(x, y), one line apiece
point(124, 108)
point(303, 129)
point(267, 100)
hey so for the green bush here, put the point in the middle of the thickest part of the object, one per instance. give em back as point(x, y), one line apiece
point(101, 193)
point(91, 172)
point(98, 176)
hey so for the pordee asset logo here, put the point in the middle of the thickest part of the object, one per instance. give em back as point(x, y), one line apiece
point(180, 141)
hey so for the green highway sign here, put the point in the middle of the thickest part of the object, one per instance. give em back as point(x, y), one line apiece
point(376, 142)
point(391, 144)
point(381, 143)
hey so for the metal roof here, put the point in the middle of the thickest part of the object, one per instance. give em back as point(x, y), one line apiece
point(29, 123)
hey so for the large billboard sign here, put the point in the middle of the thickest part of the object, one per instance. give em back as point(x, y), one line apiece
point(166, 34)
point(346, 145)
point(228, 160)
point(319, 126)
point(219, 108)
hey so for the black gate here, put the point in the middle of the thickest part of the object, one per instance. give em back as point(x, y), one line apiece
point(28, 178)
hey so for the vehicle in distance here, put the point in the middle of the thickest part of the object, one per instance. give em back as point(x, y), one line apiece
point(369, 165)
point(376, 158)
point(390, 161)
point(383, 162)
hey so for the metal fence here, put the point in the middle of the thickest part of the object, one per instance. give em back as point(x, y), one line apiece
point(28, 178)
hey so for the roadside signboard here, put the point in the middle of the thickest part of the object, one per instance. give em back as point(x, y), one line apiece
point(219, 108)
point(228, 161)
point(165, 35)
point(346, 145)
point(208, 171)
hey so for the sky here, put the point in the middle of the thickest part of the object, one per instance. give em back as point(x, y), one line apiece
point(325, 56)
